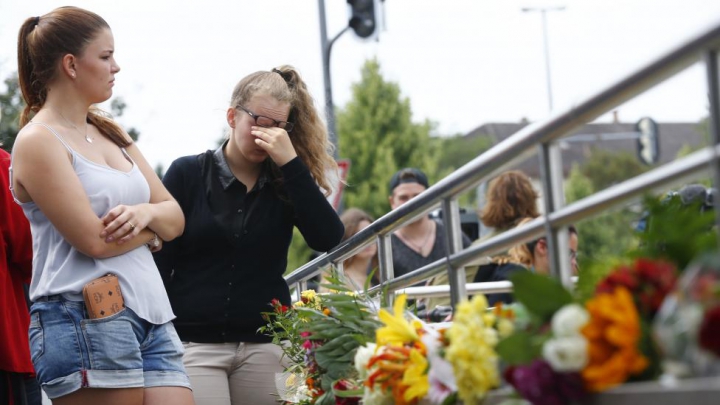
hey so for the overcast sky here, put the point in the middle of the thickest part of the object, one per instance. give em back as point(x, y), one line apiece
point(462, 63)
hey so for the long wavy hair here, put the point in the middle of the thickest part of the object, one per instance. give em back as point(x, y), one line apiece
point(42, 43)
point(309, 135)
point(510, 198)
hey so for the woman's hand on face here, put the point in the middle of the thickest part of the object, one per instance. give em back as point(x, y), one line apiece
point(276, 142)
point(123, 223)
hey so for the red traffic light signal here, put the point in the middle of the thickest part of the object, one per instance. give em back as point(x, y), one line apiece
point(362, 17)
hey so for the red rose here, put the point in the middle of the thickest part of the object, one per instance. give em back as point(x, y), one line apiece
point(709, 338)
point(649, 281)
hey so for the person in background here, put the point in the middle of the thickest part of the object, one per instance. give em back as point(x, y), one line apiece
point(357, 267)
point(242, 202)
point(532, 256)
point(510, 198)
point(17, 380)
point(421, 242)
point(95, 206)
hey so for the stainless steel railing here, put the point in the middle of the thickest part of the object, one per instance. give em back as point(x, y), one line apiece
point(539, 137)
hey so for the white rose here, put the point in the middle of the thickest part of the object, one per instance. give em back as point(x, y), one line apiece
point(568, 320)
point(362, 358)
point(566, 354)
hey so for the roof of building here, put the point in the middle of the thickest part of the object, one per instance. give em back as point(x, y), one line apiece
point(672, 136)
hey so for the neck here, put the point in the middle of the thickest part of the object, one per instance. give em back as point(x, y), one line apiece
point(67, 103)
point(240, 166)
point(421, 226)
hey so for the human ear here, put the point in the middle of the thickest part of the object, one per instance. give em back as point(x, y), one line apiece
point(231, 117)
point(68, 65)
point(541, 247)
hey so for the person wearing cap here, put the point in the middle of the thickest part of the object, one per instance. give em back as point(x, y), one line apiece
point(421, 242)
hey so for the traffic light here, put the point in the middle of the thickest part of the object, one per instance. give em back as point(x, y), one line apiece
point(648, 145)
point(362, 17)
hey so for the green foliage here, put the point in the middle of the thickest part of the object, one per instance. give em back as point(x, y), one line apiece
point(345, 323)
point(458, 150)
point(299, 252)
point(676, 232)
point(602, 237)
point(541, 295)
point(377, 134)
point(518, 348)
point(11, 104)
point(605, 168)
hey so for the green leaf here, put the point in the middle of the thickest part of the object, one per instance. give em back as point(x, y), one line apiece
point(541, 295)
point(517, 348)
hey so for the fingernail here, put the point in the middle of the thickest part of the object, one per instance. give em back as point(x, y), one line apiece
point(109, 239)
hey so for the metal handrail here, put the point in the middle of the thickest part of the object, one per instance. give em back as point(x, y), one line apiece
point(518, 147)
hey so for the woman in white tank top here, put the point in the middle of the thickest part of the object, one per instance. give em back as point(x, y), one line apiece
point(95, 207)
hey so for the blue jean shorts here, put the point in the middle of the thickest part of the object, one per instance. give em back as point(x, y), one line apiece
point(70, 352)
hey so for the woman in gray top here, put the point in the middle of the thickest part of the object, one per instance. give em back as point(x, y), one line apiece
point(95, 207)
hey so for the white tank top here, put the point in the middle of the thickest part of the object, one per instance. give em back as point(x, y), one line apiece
point(59, 268)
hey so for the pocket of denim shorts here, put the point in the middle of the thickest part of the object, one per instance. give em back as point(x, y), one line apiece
point(36, 337)
point(112, 343)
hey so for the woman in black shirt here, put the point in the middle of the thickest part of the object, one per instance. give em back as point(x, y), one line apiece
point(241, 203)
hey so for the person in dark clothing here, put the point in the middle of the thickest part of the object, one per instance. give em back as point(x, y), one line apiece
point(422, 241)
point(241, 203)
point(531, 256)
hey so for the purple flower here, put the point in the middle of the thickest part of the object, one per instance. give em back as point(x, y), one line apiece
point(541, 385)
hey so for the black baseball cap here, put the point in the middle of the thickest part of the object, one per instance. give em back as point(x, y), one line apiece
point(408, 175)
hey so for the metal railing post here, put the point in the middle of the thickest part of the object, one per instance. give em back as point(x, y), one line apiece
point(453, 234)
point(553, 196)
point(385, 261)
point(713, 83)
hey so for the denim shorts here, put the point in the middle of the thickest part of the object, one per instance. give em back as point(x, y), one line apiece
point(70, 352)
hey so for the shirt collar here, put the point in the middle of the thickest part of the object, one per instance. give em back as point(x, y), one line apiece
point(225, 174)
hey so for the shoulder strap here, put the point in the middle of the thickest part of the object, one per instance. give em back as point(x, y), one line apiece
point(53, 132)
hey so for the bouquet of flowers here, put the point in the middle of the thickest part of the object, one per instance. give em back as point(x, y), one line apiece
point(571, 348)
point(319, 336)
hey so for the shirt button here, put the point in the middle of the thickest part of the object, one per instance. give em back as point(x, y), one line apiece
point(230, 283)
point(232, 266)
point(228, 299)
point(237, 236)
point(239, 211)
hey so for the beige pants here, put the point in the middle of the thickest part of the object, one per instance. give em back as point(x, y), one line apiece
point(233, 373)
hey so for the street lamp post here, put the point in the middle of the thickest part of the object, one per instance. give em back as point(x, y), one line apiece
point(543, 11)
point(326, 46)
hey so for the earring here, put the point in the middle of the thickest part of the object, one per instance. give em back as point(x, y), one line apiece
point(72, 75)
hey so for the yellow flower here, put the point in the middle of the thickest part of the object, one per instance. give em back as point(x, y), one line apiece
point(471, 351)
point(415, 377)
point(397, 330)
point(309, 295)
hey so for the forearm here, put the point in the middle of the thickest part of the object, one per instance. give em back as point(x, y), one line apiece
point(103, 250)
point(167, 219)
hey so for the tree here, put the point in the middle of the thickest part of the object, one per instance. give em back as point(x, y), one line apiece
point(605, 168)
point(378, 136)
point(11, 104)
point(604, 236)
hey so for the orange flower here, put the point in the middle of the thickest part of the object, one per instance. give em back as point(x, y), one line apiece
point(613, 334)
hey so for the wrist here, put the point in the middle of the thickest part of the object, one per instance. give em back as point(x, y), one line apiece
point(154, 242)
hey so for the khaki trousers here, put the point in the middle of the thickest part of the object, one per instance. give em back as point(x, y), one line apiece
point(233, 373)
